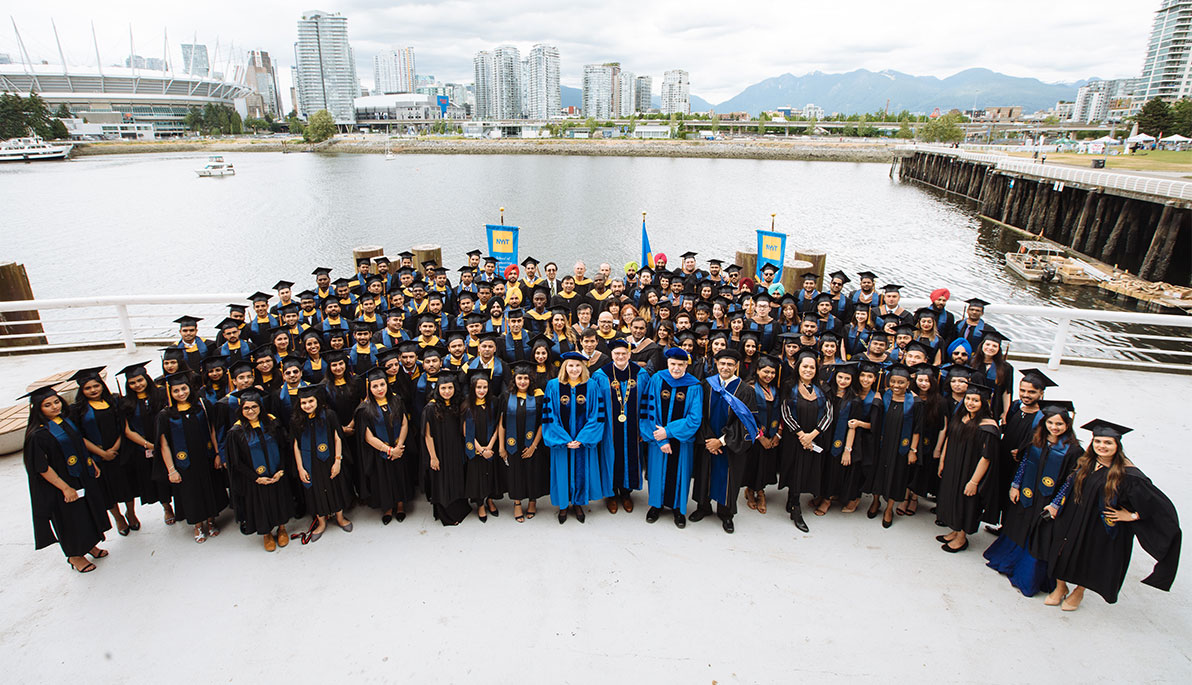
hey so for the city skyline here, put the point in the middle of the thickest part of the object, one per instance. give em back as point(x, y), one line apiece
point(654, 41)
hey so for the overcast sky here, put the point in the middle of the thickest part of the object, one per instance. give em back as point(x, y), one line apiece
point(1058, 40)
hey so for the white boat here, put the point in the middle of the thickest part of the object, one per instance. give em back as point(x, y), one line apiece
point(32, 148)
point(216, 166)
point(1037, 260)
point(389, 156)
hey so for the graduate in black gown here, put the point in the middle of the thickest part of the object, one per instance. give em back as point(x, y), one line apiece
point(1106, 503)
point(186, 442)
point(442, 430)
point(842, 477)
point(898, 436)
point(140, 404)
point(316, 443)
point(925, 477)
point(99, 419)
point(968, 450)
point(725, 436)
point(382, 431)
point(520, 440)
point(481, 414)
point(259, 450)
point(1022, 419)
point(762, 396)
point(807, 415)
point(63, 483)
point(1045, 460)
point(342, 395)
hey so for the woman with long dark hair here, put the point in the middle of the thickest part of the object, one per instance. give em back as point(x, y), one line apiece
point(317, 446)
point(762, 396)
point(480, 411)
point(807, 414)
point(442, 428)
point(191, 456)
point(925, 477)
point(991, 368)
point(63, 483)
point(342, 394)
point(1106, 503)
point(842, 480)
point(1046, 459)
point(257, 450)
point(520, 437)
point(97, 415)
point(858, 332)
point(140, 404)
point(381, 432)
point(969, 448)
point(898, 436)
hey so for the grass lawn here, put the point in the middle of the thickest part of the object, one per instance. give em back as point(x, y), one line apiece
point(1154, 160)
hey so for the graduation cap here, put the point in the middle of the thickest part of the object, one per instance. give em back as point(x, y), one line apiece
point(375, 373)
point(491, 260)
point(806, 353)
point(185, 321)
point(288, 309)
point(839, 276)
point(310, 391)
point(823, 297)
point(137, 369)
point(394, 352)
point(995, 336)
point(382, 260)
point(405, 271)
point(259, 297)
point(920, 369)
point(769, 360)
point(434, 351)
point(921, 347)
point(307, 295)
point(250, 395)
point(866, 366)
point(464, 269)
point(456, 335)
point(574, 355)
point(769, 267)
point(477, 317)
point(1049, 407)
point(762, 297)
point(361, 326)
point(716, 262)
point(238, 367)
point(1038, 379)
point(703, 306)
point(291, 360)
point(904, 329)
point(240, 308)
point(434, 295)
point(976, 302)
point(215, 361)
point(976, 387)
point(174, 353)
point(180, 378)
point(1106, 429)
point(541, 340)
point(429, 263)
point(321, 271)
point(375, 278)
point(39, 395)
point(515, 313)
point(361, 261)
point(687, 255)
point(956, 371)
point(282, 285)
point(529, 261)
point(809, 276)
point(891, 288)
point(522, 368)
point(332, 356)
point(405, 254)
point(867, 274)
point(473, 253)
point(489, 335)
point(787, 338)
point(899, 370)
point(732, 269)
point(341, 283)
point(262, 351)
point(90, 373)
point(924, 313)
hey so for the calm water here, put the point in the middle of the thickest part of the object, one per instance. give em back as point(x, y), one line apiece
point(81, 226)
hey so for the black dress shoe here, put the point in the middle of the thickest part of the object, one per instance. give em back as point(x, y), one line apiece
point(399, 516)
point(797, 517)
point(993, 531)
point(653, 514)
point(953, 550)
point(940, 523)
point(680, 520)
point(886, 523)
point(244, 528)
point(872, 513)
point(579, 514)
point(386, 518)
point(699, 514)
point(941, 538)
point(562, 516)
point(727, 524)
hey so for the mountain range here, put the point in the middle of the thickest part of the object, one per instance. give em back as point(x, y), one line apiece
point(868, 91)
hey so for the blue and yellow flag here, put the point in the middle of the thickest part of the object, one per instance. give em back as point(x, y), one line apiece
point(771, 249)
point(647, 253)
point(502, 244)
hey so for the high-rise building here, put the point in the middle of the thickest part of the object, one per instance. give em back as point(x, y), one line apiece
point(393, 71)
point(261, 75)
point(676, 92)
point(139, 62)
point(1096, 98)
point(627, 93)
point(195, 60)
point(541, 82)
point(601, 90)
point(1167, 69)
point(643, 94)
point(326, 67)
point(498, 83)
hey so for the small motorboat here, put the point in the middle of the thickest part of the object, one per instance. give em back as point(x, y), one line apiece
point(216, 166)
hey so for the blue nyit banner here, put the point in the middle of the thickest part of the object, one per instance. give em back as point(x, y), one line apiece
point(771, 249)
point(502, 244)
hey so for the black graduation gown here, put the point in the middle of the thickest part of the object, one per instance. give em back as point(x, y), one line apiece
point(386, 481)
point(966, 448)
point(115, 480)
point(147, 470)
point(201, 494)
point(343, 401)
point(892, 473)
point(76, 526)
point(325, 495)
point(761, 465)
point(265, 506)
point(485, 478)
point(1086, 551)
point(925, 479)
point(701, 471)
point(1021, 520)
point(1016, 434)
point(525, 478)
point(447, 485)
point(802, 470)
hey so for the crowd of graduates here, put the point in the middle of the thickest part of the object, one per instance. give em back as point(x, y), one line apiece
point(693, 384)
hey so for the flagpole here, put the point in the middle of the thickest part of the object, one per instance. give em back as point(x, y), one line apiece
point(502, 216)
point(772, 215)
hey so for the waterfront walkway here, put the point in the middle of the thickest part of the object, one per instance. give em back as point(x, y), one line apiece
point(614, 599)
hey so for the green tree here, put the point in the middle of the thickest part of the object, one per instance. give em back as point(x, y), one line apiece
point(58, 130)
point(321, 127)
point(63, 112)
point(590, 124)
point(295, 124)
point(193, 119)
point(904, 130)
point(254, 124)
point(12, 117)
point(37, 116)
point(1155, 117)
point(1181, 117)
point(945, 129)
point(761, 123)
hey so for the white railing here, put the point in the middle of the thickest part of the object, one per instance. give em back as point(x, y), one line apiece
point(1181, 190)
point(108, 321)
point(1045, 333)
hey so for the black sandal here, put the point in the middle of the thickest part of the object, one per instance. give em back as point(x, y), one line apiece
point(86, 569)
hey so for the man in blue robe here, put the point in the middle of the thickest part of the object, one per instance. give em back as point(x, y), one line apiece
point(671, 418)
point(626, 382)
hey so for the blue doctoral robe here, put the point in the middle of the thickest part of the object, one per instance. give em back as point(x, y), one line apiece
point(676, 405)
point(625, 387)
point(578, 413)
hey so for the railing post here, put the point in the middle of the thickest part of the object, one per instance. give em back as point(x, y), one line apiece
point(1057, 347)
point(130, 342)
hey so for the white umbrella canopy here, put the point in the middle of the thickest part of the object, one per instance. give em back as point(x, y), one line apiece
point(1140, 138)
point(1177, 138)
point(1109, 140)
